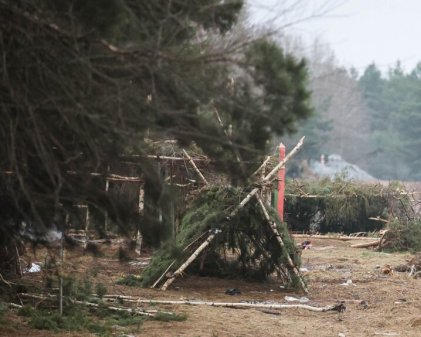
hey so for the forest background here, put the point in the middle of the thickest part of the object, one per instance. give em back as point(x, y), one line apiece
point(370, 118)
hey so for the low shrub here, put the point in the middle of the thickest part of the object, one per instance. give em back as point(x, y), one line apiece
point(101, 290)
point(167, 317)
point(3, 310)
point(78, 318)
point(130, 280)
point(404, 235)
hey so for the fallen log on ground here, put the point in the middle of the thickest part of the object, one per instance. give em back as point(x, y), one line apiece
point(14, 305)
point(333, 307)
point(137, 311)
point(337, 237)
point(367, 244)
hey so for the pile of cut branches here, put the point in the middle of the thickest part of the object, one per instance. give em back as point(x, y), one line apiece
point(245, 246)
point(403, 235)
point(342, 206)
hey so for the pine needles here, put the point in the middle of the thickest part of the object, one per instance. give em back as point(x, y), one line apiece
point(246, 247)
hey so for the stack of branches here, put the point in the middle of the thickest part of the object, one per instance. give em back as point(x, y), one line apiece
point(403, 235)
point(246, 247)
point(342, 206)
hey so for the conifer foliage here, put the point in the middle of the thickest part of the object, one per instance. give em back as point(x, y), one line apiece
point(84, 82)
point(245, 246)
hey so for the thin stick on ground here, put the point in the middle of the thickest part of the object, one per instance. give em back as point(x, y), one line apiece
point(272, 226)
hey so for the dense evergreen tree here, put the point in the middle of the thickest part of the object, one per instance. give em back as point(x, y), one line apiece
point(82, 83)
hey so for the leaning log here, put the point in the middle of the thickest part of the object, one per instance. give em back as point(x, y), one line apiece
point(183, 267)
point(278, 237)
point(195, 167)
point(266, 179)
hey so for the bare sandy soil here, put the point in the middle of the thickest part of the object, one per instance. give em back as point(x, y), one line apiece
point(377, 304)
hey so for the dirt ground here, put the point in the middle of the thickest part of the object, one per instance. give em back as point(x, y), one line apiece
point(377, 304)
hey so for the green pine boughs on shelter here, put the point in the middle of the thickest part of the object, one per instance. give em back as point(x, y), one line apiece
point(245, 246)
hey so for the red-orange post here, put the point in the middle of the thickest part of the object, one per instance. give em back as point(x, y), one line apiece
point(281, 183)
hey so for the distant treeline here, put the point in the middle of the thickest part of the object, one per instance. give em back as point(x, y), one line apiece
point(371, 118)
point(394, 112)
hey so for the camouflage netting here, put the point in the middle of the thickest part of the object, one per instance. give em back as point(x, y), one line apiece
point(341, 206)
point(245, 248)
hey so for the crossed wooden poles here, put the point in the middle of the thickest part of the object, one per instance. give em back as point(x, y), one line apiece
point(212, 234)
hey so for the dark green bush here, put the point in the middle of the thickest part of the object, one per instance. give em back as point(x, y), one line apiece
point(3, 310)
point(130, 280)
point(167, 317)
point(404, 236)
point(101, 290)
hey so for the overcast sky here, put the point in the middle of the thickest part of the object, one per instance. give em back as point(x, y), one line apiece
point(358, 31)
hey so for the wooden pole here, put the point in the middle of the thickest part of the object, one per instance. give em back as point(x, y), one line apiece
point(195, 167)
point(60, 276)
point(139, 236)
point(107, 186)
point(281, 183)
point(18, 261)
point(272, 226)
point(261, 166)
point(60, 305)
point(268, 177)
point(87, 227)
point(183, 267)
point(163, 274)
point(282, 162)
